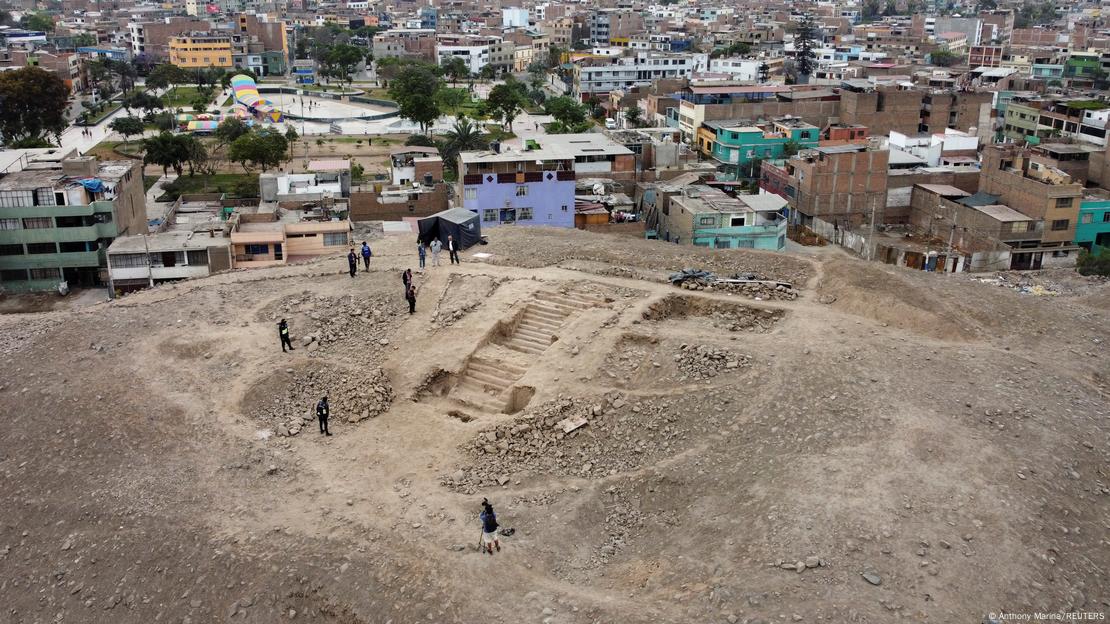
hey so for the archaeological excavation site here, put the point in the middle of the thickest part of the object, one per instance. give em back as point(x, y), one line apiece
point(825, 440)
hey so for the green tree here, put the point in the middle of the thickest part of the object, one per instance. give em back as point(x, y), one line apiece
point(463, 136)
point(450, 99)
point(488, 72)
point(200, 104)
point(33, 102)
point(291, 134)
point(764, 72)
point(230, 129)
point(805, 58)
point(166, 151)
point(194, 152)
point(943, 58)
point(555, 56)
point(38, 21)
point(455, 68)
point(790, 148)
point(633, 115)
point(342, 61)
point(565, 110)
point(420, 140)
point(1094, 264)
point(506, 100)
point(264, 148)
point(225, 79)
point(415, 90)
point(84, 40)
point(127, 126)
point(166, 75)
point(163, 121)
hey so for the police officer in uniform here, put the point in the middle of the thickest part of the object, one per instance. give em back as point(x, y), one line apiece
point(283, 331)
point(322, 414)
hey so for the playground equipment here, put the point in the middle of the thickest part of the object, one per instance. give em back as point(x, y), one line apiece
point(247, 96)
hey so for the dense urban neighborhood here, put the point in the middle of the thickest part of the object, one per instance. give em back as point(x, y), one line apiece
point(708, 311)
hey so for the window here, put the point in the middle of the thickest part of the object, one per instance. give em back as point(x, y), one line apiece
point(79, 246)
point(44, 274)
point(489, 216)
point(37, 223)
point(42, 248)
point(564, 209)
point(1020, 226)
point(1063, 202)
point(9, 224)
point(13, 275)
point(1060, 224)
point(198, 257)
point(721, 243)
point(706, 220)
point(470, 193)
point(1086, 218)
point(522, 191)
point(1106, 217)
point(127, 261)
point(524, 214)
point(261, 250)
point(335, 239)
point(11, 250)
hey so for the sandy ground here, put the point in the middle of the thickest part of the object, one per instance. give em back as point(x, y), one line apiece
point(945, 437)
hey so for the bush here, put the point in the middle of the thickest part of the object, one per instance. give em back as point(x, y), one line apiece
point(1094, 264)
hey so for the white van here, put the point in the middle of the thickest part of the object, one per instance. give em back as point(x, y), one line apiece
point(610, 123)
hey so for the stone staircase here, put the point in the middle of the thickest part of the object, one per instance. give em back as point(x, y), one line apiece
point(486, 380)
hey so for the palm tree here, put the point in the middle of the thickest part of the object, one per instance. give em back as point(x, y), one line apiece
point(464, 136)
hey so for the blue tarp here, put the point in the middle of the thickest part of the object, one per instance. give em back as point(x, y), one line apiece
point(93, 185)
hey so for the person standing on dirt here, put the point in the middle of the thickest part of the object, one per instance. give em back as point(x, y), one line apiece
point(352, 262)
point(283, 332)
point(410, 296)
point(489, 528)
point(436, 246)
point(453, 249)
point(322, 414)
point(366, 253)
point(421, 252)
point(406, 278)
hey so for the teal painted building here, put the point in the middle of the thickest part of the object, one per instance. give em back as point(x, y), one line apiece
point(57, 219)
point(705, 216)
point(741, 142)
point(1093, 230)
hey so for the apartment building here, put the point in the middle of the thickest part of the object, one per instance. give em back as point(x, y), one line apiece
point(476, 51)
point(843, 184)
point(58, 215)
point(533, 186)
point(705, 216)
point(151, 40)
point(740, 142)
point(599, 76)
point(606, 24)
point(201, 50)
point(1028, 183)
point(415, 43)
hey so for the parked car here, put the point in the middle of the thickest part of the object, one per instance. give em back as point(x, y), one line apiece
point(610, 123)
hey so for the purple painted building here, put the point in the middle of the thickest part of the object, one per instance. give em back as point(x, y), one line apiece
point(529, 187)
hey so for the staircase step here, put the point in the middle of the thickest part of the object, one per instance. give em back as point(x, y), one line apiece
point(561, 300)
point(519, 337)
point(531, 325)
point(555, 316)
point(589, 300)
point(509, 370)
point(530, 350)
point(552, 304)
point(538, 334)
point(472, 385)
point(487, 378)
point(542, 321)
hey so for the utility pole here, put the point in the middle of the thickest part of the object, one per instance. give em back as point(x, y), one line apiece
point(951, 235)
point(871, 237)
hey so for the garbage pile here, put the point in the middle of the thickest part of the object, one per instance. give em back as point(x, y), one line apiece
point(747, 284)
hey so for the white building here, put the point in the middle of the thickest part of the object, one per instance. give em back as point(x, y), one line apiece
point(1093, 127)
point(477, 51)
point(514, 17)
point(932, 148)
point(140, 261)
point(736, 68)
point(599, 76)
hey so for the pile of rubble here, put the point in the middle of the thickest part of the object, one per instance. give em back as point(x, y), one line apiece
point(352, 397)
point(747, 284)
point(705, 361)
point(332, 320)
point(572, 437)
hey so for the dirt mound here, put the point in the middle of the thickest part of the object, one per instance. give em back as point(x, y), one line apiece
point(728, 316)
point(286, 400)
point(541, 247)
point(461, 296)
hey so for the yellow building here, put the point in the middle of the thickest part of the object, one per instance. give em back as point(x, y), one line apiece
point(199, 50)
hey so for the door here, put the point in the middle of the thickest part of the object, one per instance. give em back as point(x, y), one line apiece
point(277, 251)
point(169, 258)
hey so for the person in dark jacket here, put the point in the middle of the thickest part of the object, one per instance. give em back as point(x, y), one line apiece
point(453, 249)
point(406, 278)
point(283, 332)
point(322, 414)
point(352, 262)
point(410, 295)
point(422, 251)
point(366, 253)
point(489, 528)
